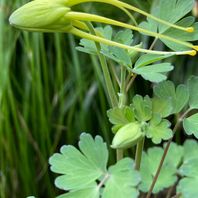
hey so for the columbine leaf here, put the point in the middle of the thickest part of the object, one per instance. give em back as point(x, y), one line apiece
point(142, 108)
point(122, 180)
point(117, 54)
point(162, 106)
point(182, 35)
point(176, 151)
point(88, 46)
point(148, 169)
point(193, 87)
point(188, 185)
point(87, 192)
point(190, 150)
point(147, 59)
point(121, 116)
point(179, 97)
point(177, 9)
point(80, 170)
point(190, 125)
point(154, 73)
point(158, 129)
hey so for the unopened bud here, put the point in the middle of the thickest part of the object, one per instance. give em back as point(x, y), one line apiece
point(127, 136)
point(42, 15)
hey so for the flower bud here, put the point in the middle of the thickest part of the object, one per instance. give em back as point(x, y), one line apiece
point(127, 136)
point(42, 15)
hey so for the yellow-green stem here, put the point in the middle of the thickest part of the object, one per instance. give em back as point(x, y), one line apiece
point(120, 4)
point(112, 43)
point(107, 77)
point(138, 155)
point(91, 17)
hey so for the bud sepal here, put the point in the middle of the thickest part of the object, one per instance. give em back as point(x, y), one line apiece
point(128, 136)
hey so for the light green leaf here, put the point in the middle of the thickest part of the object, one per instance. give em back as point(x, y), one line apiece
point(80, 170)
point(177, 9)
point(190, 125)
point(188, 185)
point(190, 150)
point(154, 73)
point(147, 59)
point(121, 116)
point(158, 129)
point(122, 180)
point(162, 106)
point(176, 151)
point(148, 169)
point(182, 35)
point(193, 87)
point(91, 192)
point(142, 107)
point(179, 97)
point(117, 54)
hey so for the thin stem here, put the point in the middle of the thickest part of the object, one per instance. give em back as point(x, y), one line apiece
point(131, 82)
point(106, 177)
point(122, 94)
point(107, 77)
point(95, 38)
point(119, 154)
point(120, 4)
point(165, 153)
point(138, 155)
point(95, 18)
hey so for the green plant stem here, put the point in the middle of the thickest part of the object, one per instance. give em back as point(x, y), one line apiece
point(119, 154)
point(122, 94)
point(110, 90)
point(138, 154)
point(165, 152)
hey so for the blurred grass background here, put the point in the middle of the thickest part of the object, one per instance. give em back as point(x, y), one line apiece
point(49, 94)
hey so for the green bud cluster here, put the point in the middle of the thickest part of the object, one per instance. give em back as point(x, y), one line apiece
point(127, 136)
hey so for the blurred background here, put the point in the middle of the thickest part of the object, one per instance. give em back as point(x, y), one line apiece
point(49, 94)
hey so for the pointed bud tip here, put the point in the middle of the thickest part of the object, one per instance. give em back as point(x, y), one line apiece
point(190, 29)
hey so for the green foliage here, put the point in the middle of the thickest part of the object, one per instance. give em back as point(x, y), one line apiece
point(81, 169)
point(177, 9)
point(193, 87)
point(162, 106)
point(179, 96)
point(190, 125)
point(119, 55)
point(183, 36)
point(142, 108)
point(148, 169)
point(188, 170)
point(158, 129)
point(154, 73)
